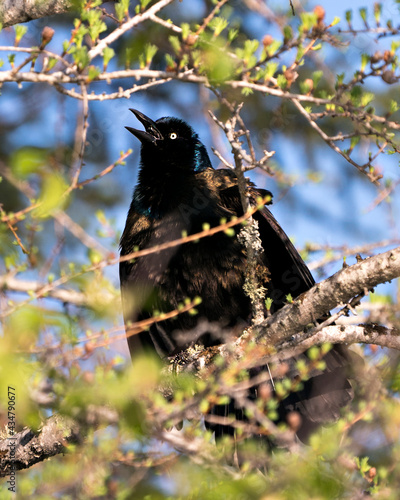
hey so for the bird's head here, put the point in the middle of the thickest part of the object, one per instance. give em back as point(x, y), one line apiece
point(170, 142)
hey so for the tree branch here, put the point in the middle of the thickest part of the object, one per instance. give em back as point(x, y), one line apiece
point(21, 11)
point(114, 35)
point(38, 289)
point(26, 448)
point(336, 290)
point(352, 334)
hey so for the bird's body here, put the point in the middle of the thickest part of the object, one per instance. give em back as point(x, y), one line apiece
point(178, 192)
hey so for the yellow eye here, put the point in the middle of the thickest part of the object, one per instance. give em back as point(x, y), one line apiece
point(173, 135)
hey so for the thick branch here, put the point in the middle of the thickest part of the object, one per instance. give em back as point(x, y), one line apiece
point(26, 448)
point(21, 11)
point(334, 291)
point(354, 334)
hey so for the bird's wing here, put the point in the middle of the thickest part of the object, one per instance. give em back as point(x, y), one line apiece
point(327, 391)
point(139, 278)
point(288, 272)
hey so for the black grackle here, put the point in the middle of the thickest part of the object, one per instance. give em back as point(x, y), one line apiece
point(178, 191)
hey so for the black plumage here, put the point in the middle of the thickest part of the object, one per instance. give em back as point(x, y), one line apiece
point(177, 192)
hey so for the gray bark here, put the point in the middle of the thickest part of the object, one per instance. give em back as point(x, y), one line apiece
point(21, 11)
point(337, 290)
point(26, 448)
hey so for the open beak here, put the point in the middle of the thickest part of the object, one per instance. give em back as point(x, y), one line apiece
point(151, 132)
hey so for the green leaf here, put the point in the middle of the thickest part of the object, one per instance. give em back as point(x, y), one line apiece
point(280, 390)
point(20, 31)
point(305, 87)
point(122, 9)
point(316, 77)
point(300, 52)
point(393, 106)
point(94, 256)
point(268, 303)
point(363, 464)
point(144, 3)
point(230, 232)
point(247, 52)
point(96, 29)
point(79, 34)
point(184, 61)
point(354, 141)
point(394, 46)
point(274, 47)
point(363, 14)
point(339, 79)
point(377, 12)
point(148, 53)
point(216, 63)
point(27, 161)
point(204, 406)
point(287, 34)
point(51, 196)
point(364, 61)
point(377, 298)
point(175, 43)
point(313, 353)
point(336, 20)
point(80, 56)
point(51, 63)
point(246, 91)
point(170, 61)
point(366, 98)
point(217, 25)
point(93, 72)
point(289, 298)
point(232, 34)
point(355, 95)
point(308, 20)
point(185, 30)
point(282, 82)
point(325, 348)
point(271, 68)
point(108, 54)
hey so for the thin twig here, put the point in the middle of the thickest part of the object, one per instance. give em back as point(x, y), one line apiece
point(211, 15)
point(373, 178)
point(127, 26)
point(80, 137)
point(18, 239)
